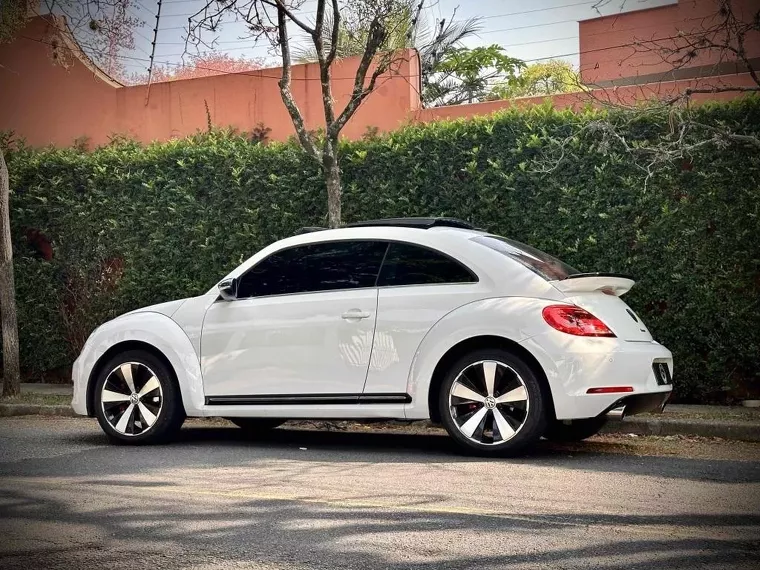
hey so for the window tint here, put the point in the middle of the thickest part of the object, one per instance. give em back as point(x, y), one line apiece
point(315, 267)
point(407, 264)
point(545, 265)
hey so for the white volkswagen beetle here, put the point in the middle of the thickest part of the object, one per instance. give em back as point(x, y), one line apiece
point(402, 319)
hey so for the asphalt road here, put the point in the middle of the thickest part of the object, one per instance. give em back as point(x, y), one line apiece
point(304, 499)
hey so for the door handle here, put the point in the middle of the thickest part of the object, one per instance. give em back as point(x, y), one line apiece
point(355, 315)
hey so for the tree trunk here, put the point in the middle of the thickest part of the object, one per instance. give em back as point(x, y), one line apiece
point(332, 181)
point(11, 367)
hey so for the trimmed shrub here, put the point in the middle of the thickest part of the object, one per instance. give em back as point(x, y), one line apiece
point(132, 225)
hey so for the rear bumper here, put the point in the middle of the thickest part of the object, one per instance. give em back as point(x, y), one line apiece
point(573, 365)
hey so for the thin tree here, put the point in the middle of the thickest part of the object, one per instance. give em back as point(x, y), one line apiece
point(271, 19)
point(11, 365)
point(13, 18)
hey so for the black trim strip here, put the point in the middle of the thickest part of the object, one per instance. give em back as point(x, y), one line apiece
point(421, 223)
point(307, 399)
point(596, 274)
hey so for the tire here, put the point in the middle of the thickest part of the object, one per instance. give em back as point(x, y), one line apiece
point(577, 430)
point(522, 414)
point(154, 405)
point(255, 426)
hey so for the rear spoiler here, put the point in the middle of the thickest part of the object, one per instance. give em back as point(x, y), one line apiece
point(610, 283)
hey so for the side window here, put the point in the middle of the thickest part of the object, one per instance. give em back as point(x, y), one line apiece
point(407, 264)
point(315, 267)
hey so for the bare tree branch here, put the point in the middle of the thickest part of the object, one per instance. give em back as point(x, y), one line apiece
point(287, 97)
point(335, 33)
point(722, 33)
point(375, 39)
point(280, 5)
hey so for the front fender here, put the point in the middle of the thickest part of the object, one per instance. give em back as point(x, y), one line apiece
point(512, 318)
point(152, 328)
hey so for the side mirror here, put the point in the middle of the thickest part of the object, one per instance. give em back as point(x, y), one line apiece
point(228, 289)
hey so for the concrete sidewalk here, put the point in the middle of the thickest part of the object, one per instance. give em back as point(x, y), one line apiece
point(728, 422)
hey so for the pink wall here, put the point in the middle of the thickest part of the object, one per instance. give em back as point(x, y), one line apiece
point(48, 104)
point(607, 53)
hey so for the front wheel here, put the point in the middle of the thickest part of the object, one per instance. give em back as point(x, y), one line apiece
point(492, 403)
point(137, 400)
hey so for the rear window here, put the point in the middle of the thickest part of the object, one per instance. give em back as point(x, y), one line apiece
point(408, 264)
point(543, 264)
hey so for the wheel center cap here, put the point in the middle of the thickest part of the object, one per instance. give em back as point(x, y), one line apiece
point(490, 402)
point(134, 399)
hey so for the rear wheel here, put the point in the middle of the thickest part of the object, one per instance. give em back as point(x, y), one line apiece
point(255, 426)
point(137, 400)
point(492, 403)
point(575, 430)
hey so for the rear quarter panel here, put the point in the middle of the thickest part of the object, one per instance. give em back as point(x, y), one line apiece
point(513, 318)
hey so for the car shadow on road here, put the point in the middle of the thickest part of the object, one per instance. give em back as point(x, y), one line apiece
point(164, 532)
point(206, 446)
point(382, 446)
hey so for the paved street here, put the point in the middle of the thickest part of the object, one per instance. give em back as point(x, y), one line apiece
point(369, 500)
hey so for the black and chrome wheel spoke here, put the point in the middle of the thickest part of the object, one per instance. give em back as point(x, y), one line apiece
point(474, 422)
point(503, 425)
point(460, 390)
point(126, 420)
point(495, 413)
point(131, 398)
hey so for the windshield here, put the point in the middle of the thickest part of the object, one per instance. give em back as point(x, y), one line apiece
point(543, 264)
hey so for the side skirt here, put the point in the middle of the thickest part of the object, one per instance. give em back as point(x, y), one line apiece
point(307, 399)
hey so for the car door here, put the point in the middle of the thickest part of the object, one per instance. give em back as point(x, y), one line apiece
point(302, 324)
point(417, 286)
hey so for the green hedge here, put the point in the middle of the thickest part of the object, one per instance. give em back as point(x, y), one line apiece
point(133, 225)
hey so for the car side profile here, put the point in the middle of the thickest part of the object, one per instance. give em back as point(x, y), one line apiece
point(404, 319)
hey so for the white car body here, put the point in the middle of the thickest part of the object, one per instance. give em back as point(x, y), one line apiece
point(307, 355)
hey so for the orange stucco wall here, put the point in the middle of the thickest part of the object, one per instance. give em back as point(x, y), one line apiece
point(48, 104)
point(615, 48)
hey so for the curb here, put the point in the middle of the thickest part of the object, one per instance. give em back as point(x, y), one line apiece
point(741, 431)
point(7, 410)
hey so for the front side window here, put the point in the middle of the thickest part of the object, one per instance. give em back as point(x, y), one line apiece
point(315, 267)
point(543, 264)
point(407, 264)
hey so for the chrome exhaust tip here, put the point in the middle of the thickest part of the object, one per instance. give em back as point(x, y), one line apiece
point(616, 414)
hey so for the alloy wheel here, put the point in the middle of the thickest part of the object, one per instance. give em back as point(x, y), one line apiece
point(131, 398)
point(488, 402)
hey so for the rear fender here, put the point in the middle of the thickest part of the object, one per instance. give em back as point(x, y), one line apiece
point(511, 318)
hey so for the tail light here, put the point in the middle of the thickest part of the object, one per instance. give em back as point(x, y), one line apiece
point(574, 320)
